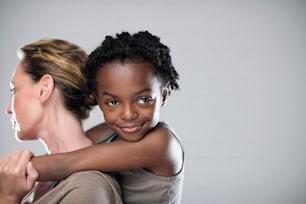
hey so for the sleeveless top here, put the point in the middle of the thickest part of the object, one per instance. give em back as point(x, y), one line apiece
point(142, 186)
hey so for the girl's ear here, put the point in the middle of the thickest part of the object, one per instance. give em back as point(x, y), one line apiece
point(95, 98)
point(46, 85)
point(165, 95)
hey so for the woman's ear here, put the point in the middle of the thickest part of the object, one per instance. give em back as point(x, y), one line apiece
point(46, 85)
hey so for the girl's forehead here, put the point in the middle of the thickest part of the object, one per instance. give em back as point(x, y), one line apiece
point(129, 63)
point(127, 76)
point(127, 69)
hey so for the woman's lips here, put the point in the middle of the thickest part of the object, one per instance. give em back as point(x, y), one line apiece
point(13, 123)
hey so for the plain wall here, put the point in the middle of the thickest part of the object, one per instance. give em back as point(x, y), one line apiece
point(241, 109)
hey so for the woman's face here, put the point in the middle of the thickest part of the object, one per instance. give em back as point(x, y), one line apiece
point(24, 108)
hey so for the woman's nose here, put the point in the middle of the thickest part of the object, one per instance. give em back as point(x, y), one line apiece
point(9, 109)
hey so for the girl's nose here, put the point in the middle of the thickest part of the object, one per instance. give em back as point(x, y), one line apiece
point(129, 113)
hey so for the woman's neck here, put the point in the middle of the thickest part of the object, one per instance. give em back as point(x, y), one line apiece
point(63, 132)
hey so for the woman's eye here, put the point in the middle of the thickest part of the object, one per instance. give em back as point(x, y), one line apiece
point(111, 103)
point(144, 100)
point(12, 91)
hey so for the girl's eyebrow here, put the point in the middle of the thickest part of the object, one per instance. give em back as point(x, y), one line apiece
point(144, 90)
point(137, 93)
point(105, 93)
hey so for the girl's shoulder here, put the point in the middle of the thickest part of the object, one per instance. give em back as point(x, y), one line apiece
point(164, 134)
point(163, 129)
point(99, 133)
point(164, 143)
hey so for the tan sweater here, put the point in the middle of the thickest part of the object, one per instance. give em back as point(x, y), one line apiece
point(83, 188)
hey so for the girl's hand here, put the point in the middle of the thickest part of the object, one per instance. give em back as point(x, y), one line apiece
point(17, 176)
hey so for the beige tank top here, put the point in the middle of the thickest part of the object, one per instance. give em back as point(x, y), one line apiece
point(141, 186)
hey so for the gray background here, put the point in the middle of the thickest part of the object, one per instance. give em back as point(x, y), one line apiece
point(241, 110)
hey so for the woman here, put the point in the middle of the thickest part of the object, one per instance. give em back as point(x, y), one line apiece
point(48, 104)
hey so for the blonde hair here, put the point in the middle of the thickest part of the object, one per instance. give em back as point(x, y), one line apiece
point(64, 61)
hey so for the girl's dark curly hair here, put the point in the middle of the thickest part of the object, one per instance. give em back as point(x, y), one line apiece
point(141, 46)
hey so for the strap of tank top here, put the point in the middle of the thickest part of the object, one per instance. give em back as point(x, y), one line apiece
point(108, 139)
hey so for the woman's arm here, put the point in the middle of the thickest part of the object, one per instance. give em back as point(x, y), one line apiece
point(158, 152)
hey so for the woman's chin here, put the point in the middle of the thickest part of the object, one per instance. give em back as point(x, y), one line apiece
point(20, 137)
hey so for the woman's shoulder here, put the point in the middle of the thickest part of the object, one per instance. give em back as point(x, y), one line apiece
point(85, 187)
point(91, 178)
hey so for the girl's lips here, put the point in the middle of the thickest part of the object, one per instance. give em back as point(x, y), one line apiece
point(130, 129)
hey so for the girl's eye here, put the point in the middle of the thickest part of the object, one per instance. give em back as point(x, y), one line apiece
point(145, 100)
point(111, 103)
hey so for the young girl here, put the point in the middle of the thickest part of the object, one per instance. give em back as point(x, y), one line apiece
point(130, 77)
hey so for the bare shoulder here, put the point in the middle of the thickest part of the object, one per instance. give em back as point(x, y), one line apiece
point(98, 132)
point(166, 146)
point(163, 132)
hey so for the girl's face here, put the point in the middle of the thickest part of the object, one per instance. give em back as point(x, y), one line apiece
point(130, 96)
point(24, 107)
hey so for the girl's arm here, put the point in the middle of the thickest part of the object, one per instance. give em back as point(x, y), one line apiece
point(96, 134)
point(159, 152)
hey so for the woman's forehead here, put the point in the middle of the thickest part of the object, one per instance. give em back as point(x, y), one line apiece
point(19, 73)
